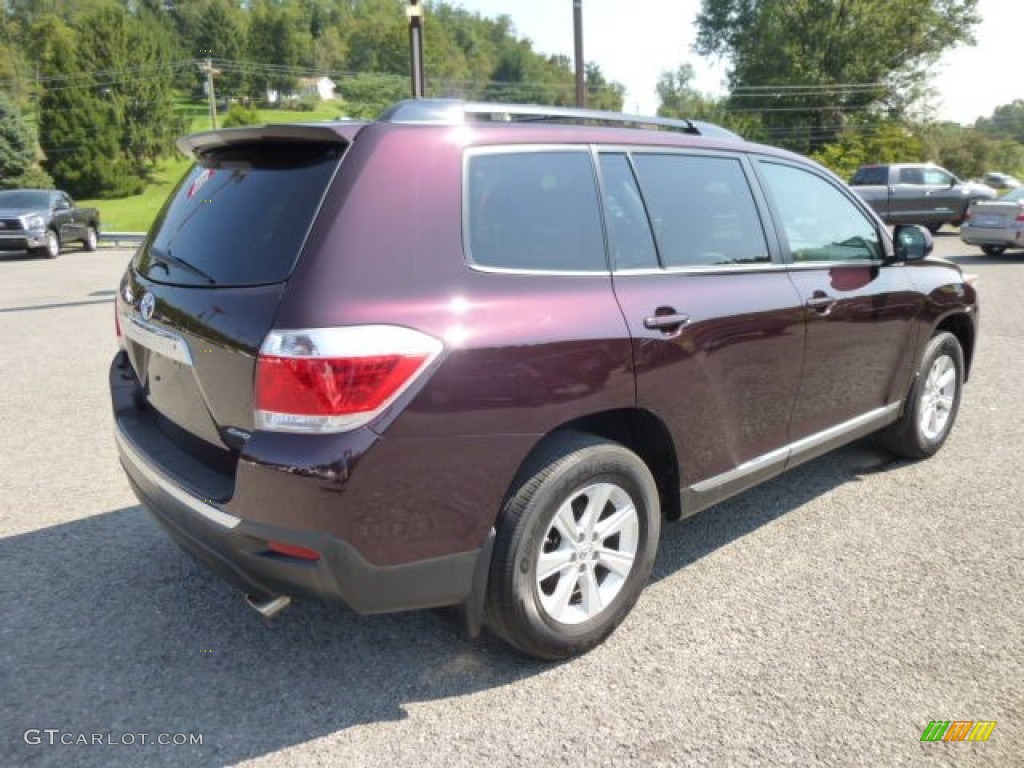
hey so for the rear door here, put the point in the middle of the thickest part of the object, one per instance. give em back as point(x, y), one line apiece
point(203, 290)
point(716, 324)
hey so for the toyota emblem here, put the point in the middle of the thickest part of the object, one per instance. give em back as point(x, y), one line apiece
point(146, 306)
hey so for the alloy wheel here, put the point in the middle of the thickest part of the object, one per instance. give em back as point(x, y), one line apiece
point(587, 553)
point(937, 397)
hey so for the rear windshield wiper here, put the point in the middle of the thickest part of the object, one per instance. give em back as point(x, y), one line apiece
point(165, 258)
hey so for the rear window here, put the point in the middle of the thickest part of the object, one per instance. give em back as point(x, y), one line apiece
point(872, 175)
point(240, 215)
point(534, 210)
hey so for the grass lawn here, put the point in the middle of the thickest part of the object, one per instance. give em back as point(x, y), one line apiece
point(136, 213)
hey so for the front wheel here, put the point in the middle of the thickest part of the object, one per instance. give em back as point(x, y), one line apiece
point(993, 250)
point(574, 547)
point(51, 247)
point(933, 404)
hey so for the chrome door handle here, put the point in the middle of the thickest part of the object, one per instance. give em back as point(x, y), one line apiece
point(668, 322)
point(821, 302)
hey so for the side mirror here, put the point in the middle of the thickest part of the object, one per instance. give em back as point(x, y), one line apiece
point(912, 241)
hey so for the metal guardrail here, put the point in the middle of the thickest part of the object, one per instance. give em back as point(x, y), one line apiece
point(121, 238)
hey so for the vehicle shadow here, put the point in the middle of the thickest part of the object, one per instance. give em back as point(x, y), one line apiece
point(691, 539)
point(19, 256)
point(111, 629)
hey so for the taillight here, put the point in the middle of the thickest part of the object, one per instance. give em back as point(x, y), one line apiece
point(336, 379)
point(292, 550)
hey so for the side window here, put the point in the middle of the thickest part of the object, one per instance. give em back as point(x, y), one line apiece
point(629, 231)
point(702, 210)
point(872, 175)
point(820, 223)
point(911, 176)
point(937, 177)
point(534, 210)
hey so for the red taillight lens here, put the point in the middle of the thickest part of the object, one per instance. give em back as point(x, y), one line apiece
point(335, 379)
point(291, 550)
point(330, 386)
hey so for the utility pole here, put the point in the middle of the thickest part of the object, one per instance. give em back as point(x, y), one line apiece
point(577, 25)
point(415, 14)
point(207, 67)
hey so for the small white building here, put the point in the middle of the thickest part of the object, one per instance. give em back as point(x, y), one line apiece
point(321, 87)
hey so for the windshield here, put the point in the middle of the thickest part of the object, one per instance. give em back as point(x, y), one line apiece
point(1014, 194)
point(24, 198)
point(240, 215)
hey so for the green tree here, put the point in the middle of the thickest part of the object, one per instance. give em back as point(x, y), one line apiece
point(17, 143)
point(131, 66)
point(78, 133)
point(239, 114)
point(220, 34)
point(680, 99)
point(969, 152)
point(677, 96)
point(277, 40)
point(806, 66)
point(871, 141)
point(1006, 122)
point(107, 109)
point(602, 94)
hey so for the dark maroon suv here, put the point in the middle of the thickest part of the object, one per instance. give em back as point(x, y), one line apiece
point(472, 355)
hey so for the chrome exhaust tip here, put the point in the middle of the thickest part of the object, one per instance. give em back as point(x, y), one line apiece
point(268, 608)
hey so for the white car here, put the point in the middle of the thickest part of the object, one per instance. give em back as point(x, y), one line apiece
point(996, 225)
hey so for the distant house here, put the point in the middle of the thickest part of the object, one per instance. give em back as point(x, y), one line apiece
point(321, 88)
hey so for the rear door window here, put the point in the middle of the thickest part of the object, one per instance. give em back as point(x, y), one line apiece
point(702, 210)
point(534, 210)
point(240, 215)
point(629, 230)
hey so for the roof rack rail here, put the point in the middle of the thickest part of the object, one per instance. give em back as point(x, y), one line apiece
point(455, 111)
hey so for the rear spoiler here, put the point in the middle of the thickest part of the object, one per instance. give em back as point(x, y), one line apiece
point(329, 133)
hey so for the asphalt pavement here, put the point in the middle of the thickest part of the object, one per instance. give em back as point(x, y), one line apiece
point(824, 618)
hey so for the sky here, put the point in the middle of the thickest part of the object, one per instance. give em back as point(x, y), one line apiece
point(635, 46)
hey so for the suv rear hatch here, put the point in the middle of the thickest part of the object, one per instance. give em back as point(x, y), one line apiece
point(202, 292)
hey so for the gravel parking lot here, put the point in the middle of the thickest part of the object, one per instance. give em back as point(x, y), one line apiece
point(822, 619)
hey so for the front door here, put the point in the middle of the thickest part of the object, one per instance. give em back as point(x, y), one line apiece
point(859, 310)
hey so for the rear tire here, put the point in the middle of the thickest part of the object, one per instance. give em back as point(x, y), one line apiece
point(91, 239)
point(933, 404)
point(993, 250)
point(575, 546)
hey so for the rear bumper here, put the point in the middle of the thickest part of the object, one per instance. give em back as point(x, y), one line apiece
point(237, 549)
point(992, 236)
